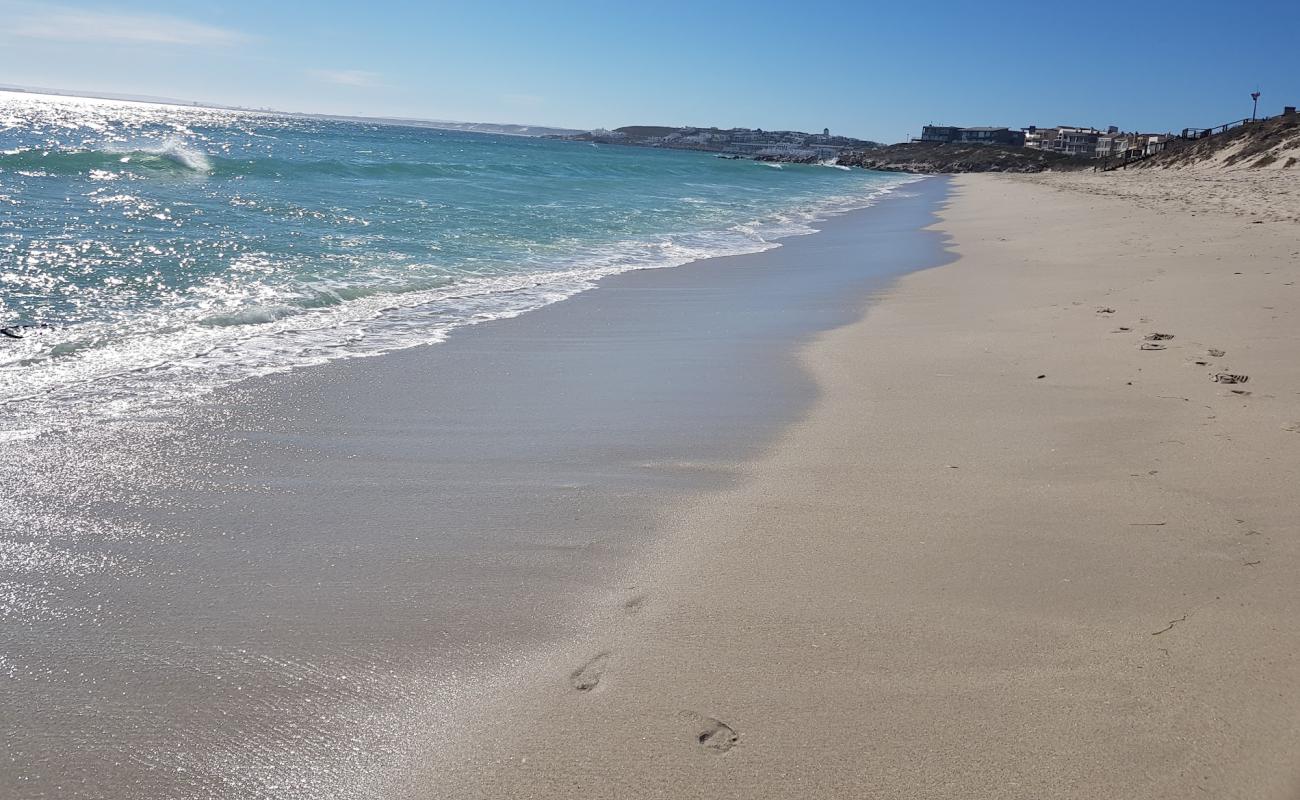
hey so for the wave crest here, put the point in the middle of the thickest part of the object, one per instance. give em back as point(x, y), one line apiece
point(169, 156)
point(174, 151)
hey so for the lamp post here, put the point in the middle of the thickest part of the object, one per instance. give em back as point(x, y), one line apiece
point(1254, 96)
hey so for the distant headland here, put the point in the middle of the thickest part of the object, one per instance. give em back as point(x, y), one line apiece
point(812, 148)
point(755, 143)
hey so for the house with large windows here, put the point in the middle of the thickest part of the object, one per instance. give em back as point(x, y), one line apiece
point(949, 134)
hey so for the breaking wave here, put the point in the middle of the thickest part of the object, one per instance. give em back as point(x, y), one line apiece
point(165, 157)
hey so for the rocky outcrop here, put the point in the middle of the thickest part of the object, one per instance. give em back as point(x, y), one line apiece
point(935, 157)
point(791, 158)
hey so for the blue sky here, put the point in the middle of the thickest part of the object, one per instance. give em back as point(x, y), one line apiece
point(875, 70)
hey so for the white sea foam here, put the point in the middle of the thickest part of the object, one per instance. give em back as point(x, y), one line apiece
point(173, 149)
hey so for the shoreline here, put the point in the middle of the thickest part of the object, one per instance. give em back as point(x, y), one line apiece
point(1008, 552)
point(327, 562)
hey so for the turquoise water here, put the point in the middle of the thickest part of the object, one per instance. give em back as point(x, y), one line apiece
point(175, 249)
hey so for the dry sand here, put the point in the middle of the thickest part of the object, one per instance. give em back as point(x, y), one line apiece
point(1268, 195)
point(1008, 554)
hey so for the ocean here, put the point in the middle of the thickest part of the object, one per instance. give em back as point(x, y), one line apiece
point(157, 252)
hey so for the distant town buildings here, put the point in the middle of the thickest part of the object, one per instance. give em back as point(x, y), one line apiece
point(746, 142)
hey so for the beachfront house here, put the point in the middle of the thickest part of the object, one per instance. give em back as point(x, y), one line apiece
point(1079, 142)
point(949, 134)
point(1003, 136)
point(939, 133)
point(1069, 140)
point(1129, 145)
point(1035, 137)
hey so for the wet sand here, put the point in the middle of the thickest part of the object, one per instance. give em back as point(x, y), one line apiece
point(1026, 543)
point(311, 586)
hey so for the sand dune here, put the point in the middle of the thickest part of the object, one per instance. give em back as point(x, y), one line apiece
point(1272, 144)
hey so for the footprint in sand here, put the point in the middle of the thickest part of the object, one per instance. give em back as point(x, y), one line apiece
point(1229, 377)
point(634, 604)
point(1158, 337)
point(587, 677)
point(710, 733)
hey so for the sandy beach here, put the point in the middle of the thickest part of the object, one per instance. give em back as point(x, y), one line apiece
point(1026, 543)
point(799, 523)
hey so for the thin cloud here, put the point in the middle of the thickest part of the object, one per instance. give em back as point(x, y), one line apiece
point(67, 24)
point(346, 77)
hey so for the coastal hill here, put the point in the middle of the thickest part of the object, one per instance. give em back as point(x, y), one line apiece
point(756, 143)
point(945, 157)
point(634, 134)
point(1271, 143)
point(809, 148)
